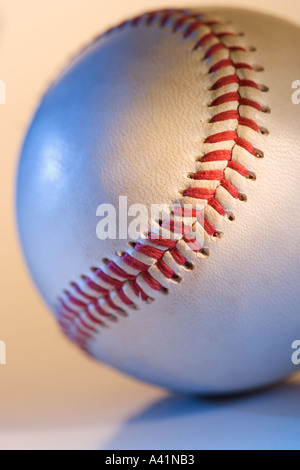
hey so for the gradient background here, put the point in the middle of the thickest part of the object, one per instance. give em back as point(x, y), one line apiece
point(51, 396)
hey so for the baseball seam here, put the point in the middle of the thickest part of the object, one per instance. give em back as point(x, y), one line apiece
point(149, 265)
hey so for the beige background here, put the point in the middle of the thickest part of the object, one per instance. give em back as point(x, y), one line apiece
point(51, 396)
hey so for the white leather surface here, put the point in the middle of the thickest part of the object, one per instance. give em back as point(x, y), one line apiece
point(127, 120)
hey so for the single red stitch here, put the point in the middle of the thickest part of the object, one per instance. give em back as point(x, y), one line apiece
point(248, 83)
point(110, 303)
point(230, 188)
point(89, 283)
point(85, 325)
point(166, 18)
point(214, 175)
point(82, 335)
point(214, 49)
point(66, 307)
point(138, 291)
point(242, 65)
point(75, 301)
point(247, 102)
point(237, 48)
point(155, 285)
point(221, 137)
point(244, 144)
point(225, 33)
point(94, 319)
point(226, 115)
point(123, 297)
point(165, 269)
point(204, 40)
point(186, 212)
point(107, 279)
point(180, 23)
point(209, 228)
point(220, 65)
point(217, 206)
point(199, 193)
point(227, 98)
point(216, 156)
point(224, 81)
point(192, 28)
point(178, 257)
point(193, 244)
point(115, 269)
point(100, 310)
point(149, 251)
point(83, 294)
point(157, 239)
point(151, 17)
point(238, 167)
point(248, 123)
point(175, 226)
point(134, 263)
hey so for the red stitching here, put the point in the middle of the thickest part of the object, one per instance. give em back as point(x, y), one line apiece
point(134, 263)
point(155, 285)
point(217, 206)
point(78, 315)
point(119, 272)
point(217, 155)
point(165, 269)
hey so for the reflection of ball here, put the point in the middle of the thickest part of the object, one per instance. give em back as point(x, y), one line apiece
point(173, 105)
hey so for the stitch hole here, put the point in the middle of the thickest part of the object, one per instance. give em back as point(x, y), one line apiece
point(241, 34)
point(122, 312)
point(164, 291)
point(263, 88)
point(189, 265)
point(218, 235)
point(149, 300)
point(252, 49)
point(176, 278)
point(242, 197)
point(112, 318)
point(105, 261)
point(120, 253)
point(93, 269)
point(231, 216)
point(258, 68)
point(251, 176)
point(205, 252)
point(258, 153)
point(266, 109)
point(133, 306)
point(131, 244)
point(264, 131)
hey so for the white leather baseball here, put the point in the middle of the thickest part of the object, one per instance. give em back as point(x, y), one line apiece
point(164, 96)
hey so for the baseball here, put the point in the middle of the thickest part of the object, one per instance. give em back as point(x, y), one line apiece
point(198, 112)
